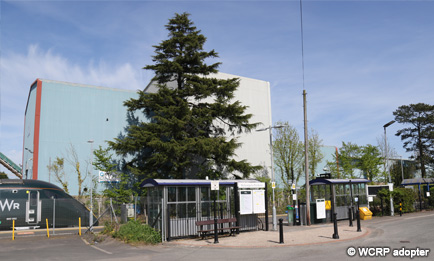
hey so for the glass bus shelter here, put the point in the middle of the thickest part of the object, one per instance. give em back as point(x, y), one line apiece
point(340, 195)
point(174, 205)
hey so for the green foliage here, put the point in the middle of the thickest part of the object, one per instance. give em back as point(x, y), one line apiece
point(400, 195)
point(352, 157)
point(419, 137)
point(396, 171)
point(135, 232)
point(315, 155)
point(370, 160)
point(431, 197)
point(288, 154)
point(120, 192)
point(109, 228)
point(3, 175)
point(405, 196)
point(59, 173)
point(189, 115)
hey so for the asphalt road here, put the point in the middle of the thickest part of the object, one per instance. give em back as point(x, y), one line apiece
point(406, 233)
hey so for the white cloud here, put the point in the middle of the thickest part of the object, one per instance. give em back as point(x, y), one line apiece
point(20, 70)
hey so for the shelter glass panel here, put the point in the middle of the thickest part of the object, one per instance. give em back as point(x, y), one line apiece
point(171, 194)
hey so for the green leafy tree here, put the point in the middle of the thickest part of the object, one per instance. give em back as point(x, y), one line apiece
point(121, 192)
point(348, 157)
point(3, 175)
point(73, 160)
point(57, 167)
point(189, 116)
point(352, 158)
point(315, 155)
point(288, 154)
point(419, 136)
point(369, 162)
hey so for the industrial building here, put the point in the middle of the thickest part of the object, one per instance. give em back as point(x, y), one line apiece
point(63, 117)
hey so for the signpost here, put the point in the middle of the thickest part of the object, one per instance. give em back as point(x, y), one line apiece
point(215, 187)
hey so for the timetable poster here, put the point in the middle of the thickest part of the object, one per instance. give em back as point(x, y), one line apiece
point(246, 202)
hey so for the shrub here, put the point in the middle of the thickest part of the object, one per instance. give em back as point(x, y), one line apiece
point(109, 228)
point(134, 232)
point(404, 195)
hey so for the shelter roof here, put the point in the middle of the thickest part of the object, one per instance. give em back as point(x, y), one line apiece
point(193, 182)
point(417, 181)
point(320, 181)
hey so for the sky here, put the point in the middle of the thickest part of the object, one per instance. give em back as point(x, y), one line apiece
point(362, 59)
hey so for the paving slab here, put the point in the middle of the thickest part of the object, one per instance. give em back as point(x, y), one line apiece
point(292, 236)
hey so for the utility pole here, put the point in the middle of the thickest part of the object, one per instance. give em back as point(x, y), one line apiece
point(306, 160)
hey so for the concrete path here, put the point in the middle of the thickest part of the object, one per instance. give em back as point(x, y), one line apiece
point(292, 236)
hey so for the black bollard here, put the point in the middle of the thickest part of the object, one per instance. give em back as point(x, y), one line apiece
point(358, 221)
point(350, 216)
point(281, 230)
point(335, 224)
point(216, 236)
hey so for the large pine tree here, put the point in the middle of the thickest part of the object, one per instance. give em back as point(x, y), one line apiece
point(419, 136)
point(192, 118)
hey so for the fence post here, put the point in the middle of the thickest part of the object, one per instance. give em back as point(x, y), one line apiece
point(350, 216)
point(54, 214)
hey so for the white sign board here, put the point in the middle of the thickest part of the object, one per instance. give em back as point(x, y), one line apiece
point(258, 201)
point(130, 210)
point(246, 202)
point(320, 209)
point(104, 177)
point(428, 194)
point(294, 196)
point(214, 185)
point(251, 185)
point(370, 199)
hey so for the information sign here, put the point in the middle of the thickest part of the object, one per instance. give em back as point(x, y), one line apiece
point(258, 201)
point(246, 202)
point(214, 185)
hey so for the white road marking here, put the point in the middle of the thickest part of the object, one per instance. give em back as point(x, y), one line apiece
point(97, 248)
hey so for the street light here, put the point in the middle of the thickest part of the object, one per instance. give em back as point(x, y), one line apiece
point(27, 163)
point(272, 168)
point(392, 212)
point(91, 187)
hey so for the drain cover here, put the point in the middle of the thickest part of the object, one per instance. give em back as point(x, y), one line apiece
point(404, 241)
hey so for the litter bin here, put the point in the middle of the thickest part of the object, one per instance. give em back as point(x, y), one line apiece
point(365, 213)
point(290, 211)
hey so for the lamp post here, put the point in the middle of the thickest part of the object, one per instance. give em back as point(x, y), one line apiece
point(392, 212)
point(27, 163)
point(91, 187)
point(27, 167)
point(269, 128)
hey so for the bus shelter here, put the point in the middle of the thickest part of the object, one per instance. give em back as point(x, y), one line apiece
point(174, 205)
point(339, 195)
